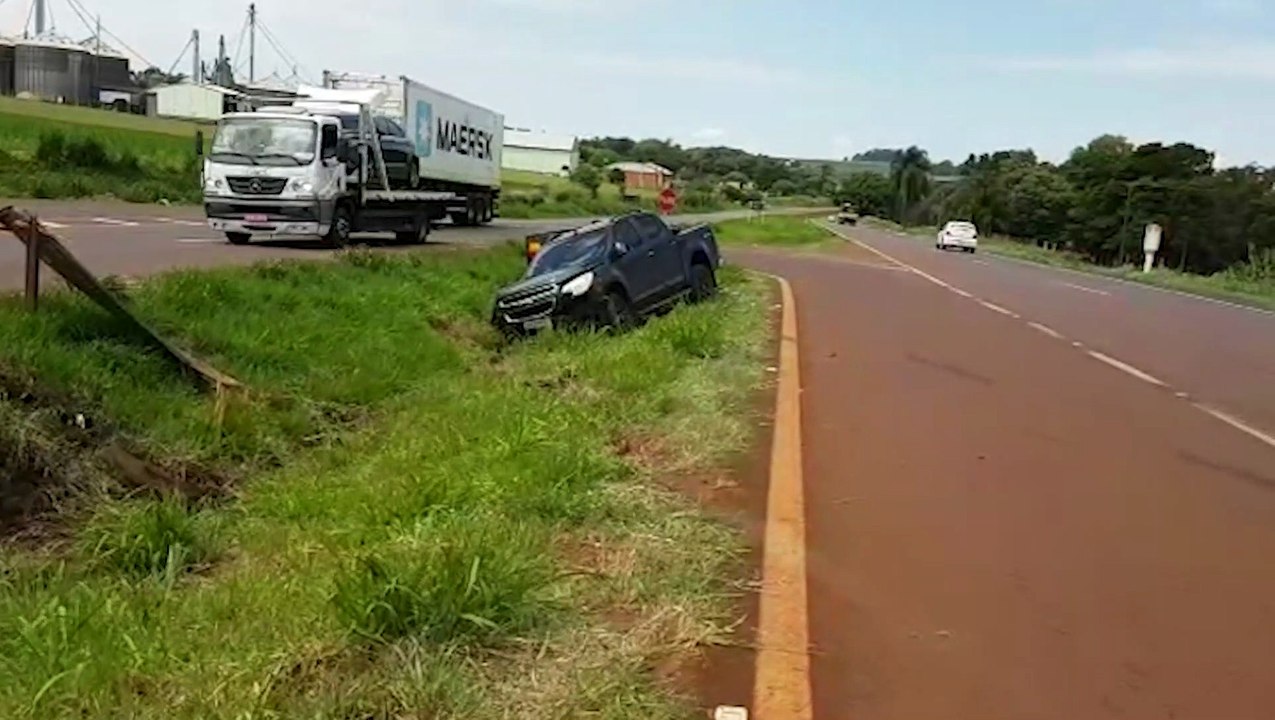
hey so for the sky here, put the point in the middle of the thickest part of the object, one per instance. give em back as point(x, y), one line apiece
point(801, 78)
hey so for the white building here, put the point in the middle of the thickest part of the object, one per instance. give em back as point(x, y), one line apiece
point(197, 102)
point(540, 152)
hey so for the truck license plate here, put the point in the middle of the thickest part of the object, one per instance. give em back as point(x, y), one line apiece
point(256, 218)
point(537, 324)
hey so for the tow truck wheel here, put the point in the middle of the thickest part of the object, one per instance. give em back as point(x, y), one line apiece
point(339, 234)
point(238, 238)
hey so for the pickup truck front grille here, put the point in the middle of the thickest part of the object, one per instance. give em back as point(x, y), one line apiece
point(276, 213)
point(529, 304)
point(256, 186)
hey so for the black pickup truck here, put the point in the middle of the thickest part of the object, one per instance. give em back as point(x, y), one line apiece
point(609, 273)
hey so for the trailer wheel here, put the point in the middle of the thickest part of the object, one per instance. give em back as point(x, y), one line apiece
point(339, 234)
point(418, 235)
point(238, 238)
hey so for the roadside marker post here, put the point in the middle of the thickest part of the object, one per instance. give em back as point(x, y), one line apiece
point(1151, 245)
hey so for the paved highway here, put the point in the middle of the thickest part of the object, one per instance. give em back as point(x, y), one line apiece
point(114, 238)
point(1031, 494)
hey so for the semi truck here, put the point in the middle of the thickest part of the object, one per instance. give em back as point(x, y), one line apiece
point(332, 163)
point(455, 145)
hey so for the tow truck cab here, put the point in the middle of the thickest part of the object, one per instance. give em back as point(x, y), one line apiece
point(293, 171)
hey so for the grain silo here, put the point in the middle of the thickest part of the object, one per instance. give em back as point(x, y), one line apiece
point(52, 68)
point(107, 67)
point(6, 66)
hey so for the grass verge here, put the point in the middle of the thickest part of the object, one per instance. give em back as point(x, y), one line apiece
point(780, 231)
point(1253, 286)
point(426, 523)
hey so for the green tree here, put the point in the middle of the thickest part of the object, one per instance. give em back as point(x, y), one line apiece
point(870, 193)
point(784, 187)
point(910, 181)
point(588, 176)
point(615, 176)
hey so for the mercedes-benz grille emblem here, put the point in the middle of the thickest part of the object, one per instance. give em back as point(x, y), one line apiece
point(255, 186)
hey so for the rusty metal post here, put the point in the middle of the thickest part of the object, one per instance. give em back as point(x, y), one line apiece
point(33, 266)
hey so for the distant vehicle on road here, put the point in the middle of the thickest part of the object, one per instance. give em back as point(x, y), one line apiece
point(609, 273)
point(398, 152)
point(847, 216)
point(958, 234)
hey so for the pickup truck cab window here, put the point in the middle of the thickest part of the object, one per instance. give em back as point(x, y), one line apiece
point(626, 234)
point(650, 228)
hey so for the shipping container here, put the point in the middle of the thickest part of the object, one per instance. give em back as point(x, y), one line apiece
point(458, 144)
point(456, 141)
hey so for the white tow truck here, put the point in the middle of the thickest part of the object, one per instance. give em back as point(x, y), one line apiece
point(302, 171)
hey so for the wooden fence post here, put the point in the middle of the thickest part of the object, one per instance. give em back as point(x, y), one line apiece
point(33, 266)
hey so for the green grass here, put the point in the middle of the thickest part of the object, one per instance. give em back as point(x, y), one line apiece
point(1253, 285)
point(782, 231)
point(426, 524)
point(101, 119)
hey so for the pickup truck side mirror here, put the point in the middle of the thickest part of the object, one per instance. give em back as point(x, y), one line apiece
point(618, 250)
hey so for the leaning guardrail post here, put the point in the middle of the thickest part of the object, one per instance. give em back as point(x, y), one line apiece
point(33, 266)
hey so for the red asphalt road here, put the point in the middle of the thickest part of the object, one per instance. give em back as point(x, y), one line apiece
point(1001, 526)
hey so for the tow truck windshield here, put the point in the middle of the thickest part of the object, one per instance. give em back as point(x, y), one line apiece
point(264, 141)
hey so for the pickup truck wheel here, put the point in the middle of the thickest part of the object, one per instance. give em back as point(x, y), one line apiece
point(618, 312)
point(238, 238)
point(339, 234)
point(413, 173)
point(703, 283)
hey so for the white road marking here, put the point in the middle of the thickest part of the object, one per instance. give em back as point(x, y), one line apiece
point(1125, 368)
point(1077, 344)
point(979, 262)
point(961, 292)
point(193, 241)
point(1047, 330)
point(1082, 288)
point(1237, 424)
point(53, 225)
point(186, 223)
point(998, 309)
point(113, 221)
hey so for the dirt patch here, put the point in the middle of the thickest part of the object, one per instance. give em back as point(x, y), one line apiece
point(55, 448)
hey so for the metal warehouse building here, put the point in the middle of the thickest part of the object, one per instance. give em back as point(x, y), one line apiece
point(540, 152)
point(196, 102)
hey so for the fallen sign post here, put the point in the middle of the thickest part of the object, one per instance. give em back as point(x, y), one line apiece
point(42, 246)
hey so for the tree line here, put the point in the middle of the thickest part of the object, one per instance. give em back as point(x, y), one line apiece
point(1096, 203)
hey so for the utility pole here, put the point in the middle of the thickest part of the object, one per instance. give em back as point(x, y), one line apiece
point(97, 59)
point(39, 17)
point(197, 74)
point(218, 73)
point(252, 42)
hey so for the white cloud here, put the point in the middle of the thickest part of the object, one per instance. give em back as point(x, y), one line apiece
point(1220, 61)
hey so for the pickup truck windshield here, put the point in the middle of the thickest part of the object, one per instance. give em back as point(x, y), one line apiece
point(579, 251)
point(264, 141)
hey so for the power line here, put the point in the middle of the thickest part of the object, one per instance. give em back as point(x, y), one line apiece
point(284, 55)
point(243, 30)
point(173, 69)
point(75, 4)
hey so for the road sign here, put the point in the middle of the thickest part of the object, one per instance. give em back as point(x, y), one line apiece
point(668, 200)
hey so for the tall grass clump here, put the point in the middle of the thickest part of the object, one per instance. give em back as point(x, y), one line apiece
point(465, 578)
point(141, 539)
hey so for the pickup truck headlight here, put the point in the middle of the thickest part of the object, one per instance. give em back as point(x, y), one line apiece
point(579, 285)
point(214, 184)
point(302, 186)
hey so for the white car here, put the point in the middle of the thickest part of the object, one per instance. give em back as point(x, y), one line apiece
point(958, 234)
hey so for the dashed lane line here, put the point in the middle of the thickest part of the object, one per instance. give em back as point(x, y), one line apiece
point(113, 221)
point(1125, 368)
point(1082, 288)
point(1120, 365)
point(998, 309)
point(1046, 330)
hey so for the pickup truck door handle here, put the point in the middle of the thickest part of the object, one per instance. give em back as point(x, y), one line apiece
point(650, 253)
